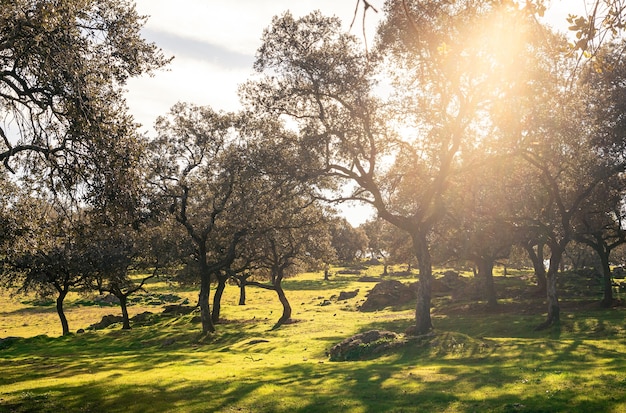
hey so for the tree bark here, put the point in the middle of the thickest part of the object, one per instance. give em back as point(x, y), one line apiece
point(285, 303)
point(123, 304)
point(423, 322)
point(540, 269)
point(217, 298)
point(64, 324)
point(485, 276)
point(554, 310)
point(242, 292)
point(203, 299)
point(607, 298)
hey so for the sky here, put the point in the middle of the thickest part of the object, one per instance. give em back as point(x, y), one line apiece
point(214, 43)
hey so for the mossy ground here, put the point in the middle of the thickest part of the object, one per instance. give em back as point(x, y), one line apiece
point(477, 360)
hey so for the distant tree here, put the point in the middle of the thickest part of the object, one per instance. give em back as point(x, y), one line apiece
point(376, 242)
point(478, 229)
point(348, 242)
point(114, 253)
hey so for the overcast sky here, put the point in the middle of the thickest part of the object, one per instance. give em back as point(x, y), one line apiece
point(214, 42)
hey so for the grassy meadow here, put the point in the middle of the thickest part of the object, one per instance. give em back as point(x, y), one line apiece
point(476, 361)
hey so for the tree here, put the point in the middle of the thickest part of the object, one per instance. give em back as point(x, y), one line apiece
point(112, 252)
point(447, 68)
point(348, 242)
point(197, 169)
point(63, 66)
point(600, 223)
point(560, 141)
point(296, 233)
point(478, 229)
point(45, 258)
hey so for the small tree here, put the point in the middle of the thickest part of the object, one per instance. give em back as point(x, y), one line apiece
point(46, 258)
point(297, 233)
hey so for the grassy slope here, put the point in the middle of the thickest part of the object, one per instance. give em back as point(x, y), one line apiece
point(477, 361)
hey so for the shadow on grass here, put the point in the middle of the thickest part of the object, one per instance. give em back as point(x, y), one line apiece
point(473, 362)
point(411, 381)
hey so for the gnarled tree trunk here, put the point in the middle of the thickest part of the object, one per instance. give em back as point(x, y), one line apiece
point(423, 323)
point(203, 299)
point(285, 303)
point(217, 298)
point(124, 305)
point(64, 324)
point(554, 310)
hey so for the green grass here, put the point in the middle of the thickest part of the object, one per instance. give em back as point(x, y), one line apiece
point(476, 361)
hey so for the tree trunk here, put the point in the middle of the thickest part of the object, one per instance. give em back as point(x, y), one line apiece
point(217, 298)
point(123, 303)
point(607, 299)
point(64, 325)
point(485, 277)
point(327, 272)
point(203, 299)
point(540, 269)
point(285, 303)
point(423, 323)
point(385, 272)
point(242, 292)
point(554, 316)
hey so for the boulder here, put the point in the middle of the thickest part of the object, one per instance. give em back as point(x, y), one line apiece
point(106, 321)
point(346, 295)
point(389, 293)
point(176, 309)
point(364, 345)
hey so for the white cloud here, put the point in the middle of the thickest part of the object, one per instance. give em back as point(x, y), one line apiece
point(214, 43)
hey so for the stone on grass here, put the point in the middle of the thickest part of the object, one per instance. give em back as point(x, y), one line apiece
point(365, 345)
point(389, 293)
point(346, 295)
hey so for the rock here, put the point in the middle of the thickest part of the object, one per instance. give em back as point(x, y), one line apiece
point(365, 345)
point(325, 303)
point(346, 295)
point(107, 299)
point(176, 309)
point(389, 293)
point(169, 298)
point(106, 321)
point(142, 317)
point(80, 331)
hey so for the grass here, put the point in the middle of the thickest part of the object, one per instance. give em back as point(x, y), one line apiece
point(477, 360)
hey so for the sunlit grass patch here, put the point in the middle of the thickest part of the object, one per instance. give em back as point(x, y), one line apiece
point(475, 360)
